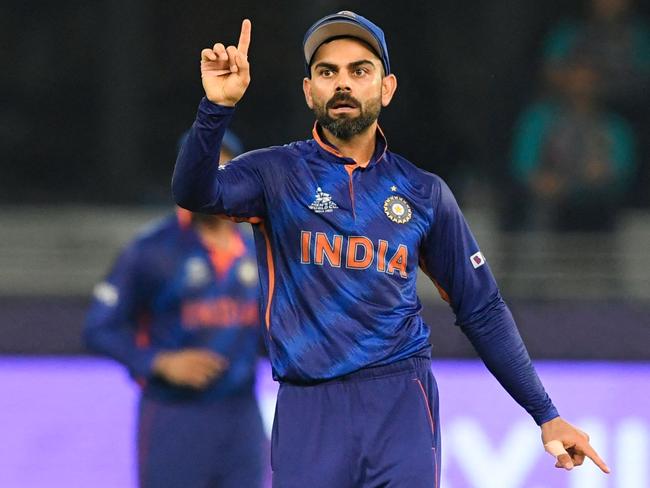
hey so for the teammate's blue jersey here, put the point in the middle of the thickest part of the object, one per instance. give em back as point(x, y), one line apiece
point(169, 291)
point(339, 246)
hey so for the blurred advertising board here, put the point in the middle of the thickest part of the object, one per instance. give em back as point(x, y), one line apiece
point(69, 422)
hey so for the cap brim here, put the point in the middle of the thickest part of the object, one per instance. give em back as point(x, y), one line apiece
point(338, 28)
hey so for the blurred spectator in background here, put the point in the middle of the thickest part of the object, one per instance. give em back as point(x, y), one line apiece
point(617, 42)
point(574, 158)
point(180, 310)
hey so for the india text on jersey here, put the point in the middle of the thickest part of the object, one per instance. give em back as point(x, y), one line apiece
point(360, 252)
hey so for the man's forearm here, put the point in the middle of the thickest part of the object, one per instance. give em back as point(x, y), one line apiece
point(497, 341)
point(120, 345)
point(197, 163)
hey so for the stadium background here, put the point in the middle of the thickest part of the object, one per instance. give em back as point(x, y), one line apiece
point(95, 95)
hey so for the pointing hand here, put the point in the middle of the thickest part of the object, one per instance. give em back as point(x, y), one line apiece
point(225, 71)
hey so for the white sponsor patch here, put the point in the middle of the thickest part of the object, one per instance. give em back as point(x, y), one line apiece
point(106, 293)
point(477, 259)
point(247, 272)
point(197, 272)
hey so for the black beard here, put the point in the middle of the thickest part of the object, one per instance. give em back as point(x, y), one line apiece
point(345, 127)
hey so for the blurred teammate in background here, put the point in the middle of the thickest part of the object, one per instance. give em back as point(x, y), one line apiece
point(180, 310)
point(342, 225)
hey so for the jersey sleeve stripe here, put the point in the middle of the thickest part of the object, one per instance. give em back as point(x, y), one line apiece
point(271, 271)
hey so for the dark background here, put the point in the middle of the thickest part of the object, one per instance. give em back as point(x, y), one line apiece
point(95, 93)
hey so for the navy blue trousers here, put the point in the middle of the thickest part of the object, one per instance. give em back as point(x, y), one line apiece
point(220, 444)
point(374, 428)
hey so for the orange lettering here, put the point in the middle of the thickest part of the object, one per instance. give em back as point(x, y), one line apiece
point(354, 243)
point(398, 261)
point(360, 253)
point(305, 247)
point(325, 249)
point(381, 255)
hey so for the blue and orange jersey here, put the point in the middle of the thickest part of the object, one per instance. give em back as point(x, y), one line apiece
point(168, 290)
point(339, 246)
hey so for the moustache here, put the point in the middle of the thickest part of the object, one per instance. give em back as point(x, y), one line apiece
point(343, 99)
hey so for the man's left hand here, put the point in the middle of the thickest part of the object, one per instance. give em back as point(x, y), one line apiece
point(569, 445)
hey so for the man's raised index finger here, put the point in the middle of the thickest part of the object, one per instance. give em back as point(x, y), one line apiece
point(244, 37)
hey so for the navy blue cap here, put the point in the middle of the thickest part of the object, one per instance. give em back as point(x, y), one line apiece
point(230, 142)
point(343, 24)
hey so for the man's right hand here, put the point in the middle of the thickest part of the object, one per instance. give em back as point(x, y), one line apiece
point(195, 368)
point(225, 71)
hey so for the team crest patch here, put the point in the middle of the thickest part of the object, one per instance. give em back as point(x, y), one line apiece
point(397, 209)
point(323, 202)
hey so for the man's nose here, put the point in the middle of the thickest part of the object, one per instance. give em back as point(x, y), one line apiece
point(343, 83)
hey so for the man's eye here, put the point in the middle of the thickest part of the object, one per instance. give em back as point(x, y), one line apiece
point(359, 72)
point(327, 72)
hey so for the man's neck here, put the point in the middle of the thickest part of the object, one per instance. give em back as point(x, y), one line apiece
point(360, 147)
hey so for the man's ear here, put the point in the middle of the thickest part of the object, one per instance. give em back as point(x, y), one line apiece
point(388, 88)
point(306, 88)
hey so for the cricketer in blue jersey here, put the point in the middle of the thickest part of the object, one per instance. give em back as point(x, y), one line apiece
point(180, 309)
point(342, 225)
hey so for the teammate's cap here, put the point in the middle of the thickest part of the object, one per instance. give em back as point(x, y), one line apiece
point(232, 143)
point(343, 24)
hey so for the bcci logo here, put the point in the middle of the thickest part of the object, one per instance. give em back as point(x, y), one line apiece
point(397, 209)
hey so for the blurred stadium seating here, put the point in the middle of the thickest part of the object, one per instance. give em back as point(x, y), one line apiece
point(63, 251)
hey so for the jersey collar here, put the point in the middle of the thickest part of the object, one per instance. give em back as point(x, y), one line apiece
point(325, 146)
point(223, 258)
